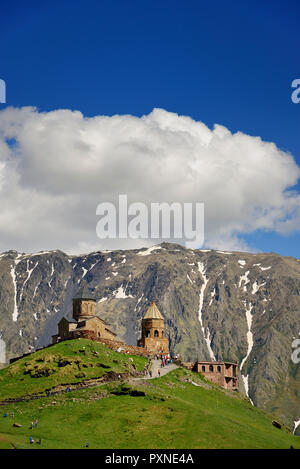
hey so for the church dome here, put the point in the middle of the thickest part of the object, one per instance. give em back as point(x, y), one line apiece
point(153, 312)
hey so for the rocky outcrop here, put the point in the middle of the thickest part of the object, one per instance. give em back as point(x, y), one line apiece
point(227, 306)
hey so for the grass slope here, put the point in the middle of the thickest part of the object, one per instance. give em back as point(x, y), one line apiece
point(166, 412)
point(67, 362)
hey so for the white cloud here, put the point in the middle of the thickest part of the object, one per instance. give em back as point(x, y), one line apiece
point(56, 167)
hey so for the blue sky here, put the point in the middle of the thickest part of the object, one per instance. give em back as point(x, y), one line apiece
point(230, 63)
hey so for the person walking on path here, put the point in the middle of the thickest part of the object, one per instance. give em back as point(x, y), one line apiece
point(36, 423)
point(158, 372)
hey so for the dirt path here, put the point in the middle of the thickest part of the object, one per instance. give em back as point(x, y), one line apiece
point(155, 367)
point(108, 377)
point(64, 388)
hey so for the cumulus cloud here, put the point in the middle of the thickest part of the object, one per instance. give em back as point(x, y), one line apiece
point(56, 167)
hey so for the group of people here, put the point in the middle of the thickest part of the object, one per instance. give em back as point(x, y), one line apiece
point(165, 361)
point(38, 442)
point(34, 424)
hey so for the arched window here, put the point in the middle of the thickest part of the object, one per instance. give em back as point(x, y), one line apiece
point(219, 369)
point(148, 334)
point(203, 368)
point(99, 335)
point(85, 308)
point(211, 368)
point(156, 334)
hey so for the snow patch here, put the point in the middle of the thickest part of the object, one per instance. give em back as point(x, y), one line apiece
point(256, 287)
point(149, 251)
point(202, 270)
point(35, 290)
point(120, 293)
point(244, 278)
point(29, 272)
point(265, 268)
point(296, 424)
point(102, 299)
point(138, 302)
point(250, 346)
point(189, 278)
point(13, 276)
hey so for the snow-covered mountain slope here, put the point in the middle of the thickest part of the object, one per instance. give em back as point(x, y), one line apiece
point(224, 305)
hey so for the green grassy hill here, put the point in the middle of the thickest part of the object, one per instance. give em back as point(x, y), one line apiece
point(178, 410)
point(67, 362)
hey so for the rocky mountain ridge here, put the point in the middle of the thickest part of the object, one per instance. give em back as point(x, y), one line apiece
point(217, 305)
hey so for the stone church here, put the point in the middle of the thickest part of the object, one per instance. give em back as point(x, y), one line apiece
point(153, 336)
point(84, 323)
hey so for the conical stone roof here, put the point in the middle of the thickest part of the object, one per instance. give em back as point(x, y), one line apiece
point(153, 312)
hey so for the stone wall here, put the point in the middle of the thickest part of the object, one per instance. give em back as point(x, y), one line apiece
point(98, 327)
point(221, 373)
point(154, 345)
point(83, 308)
point(187, 365)
point(116, 345)
point(83, 334)
point(153, 328)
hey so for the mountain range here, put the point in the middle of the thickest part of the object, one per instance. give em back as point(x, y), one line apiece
point(217, 305)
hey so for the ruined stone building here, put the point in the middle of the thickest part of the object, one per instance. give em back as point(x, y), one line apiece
point(153, 336)
point(84, 323)
point(222, 373)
